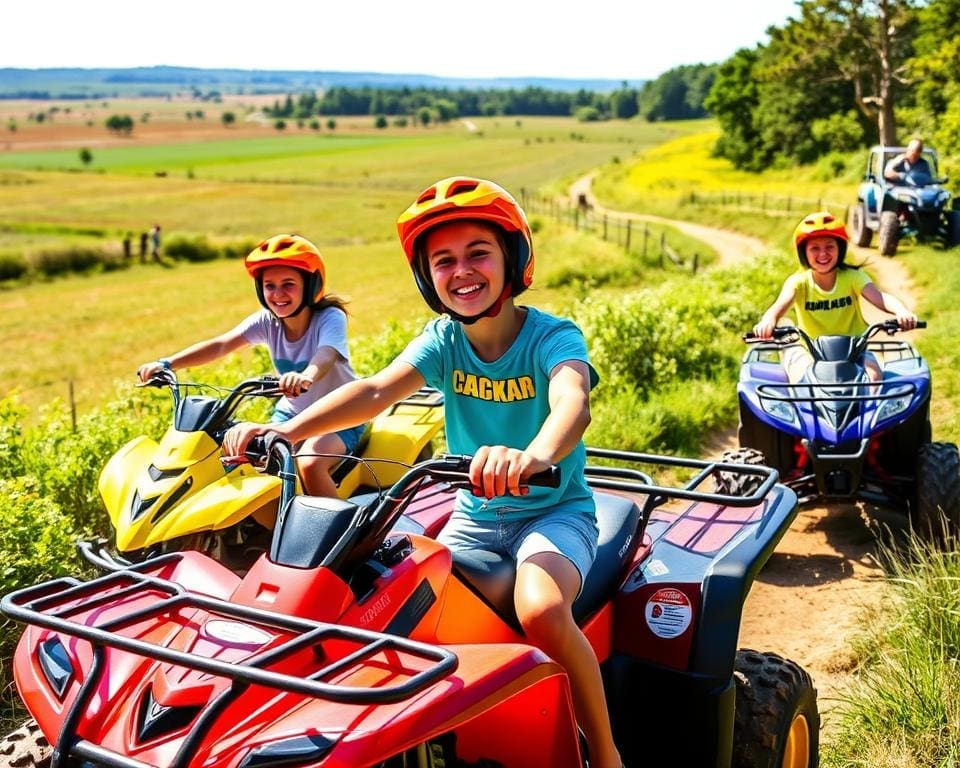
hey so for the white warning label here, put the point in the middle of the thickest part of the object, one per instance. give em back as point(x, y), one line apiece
point(668, 613)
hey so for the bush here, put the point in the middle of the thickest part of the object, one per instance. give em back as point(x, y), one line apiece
point(12, 266)
point(373, 353)
point(237, 250)
point(37, 542)
point(73, 259)
point(192, 249)
point(66, 463)
point(588, 114)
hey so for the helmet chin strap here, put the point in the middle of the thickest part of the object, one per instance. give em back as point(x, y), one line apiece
point(492, 311)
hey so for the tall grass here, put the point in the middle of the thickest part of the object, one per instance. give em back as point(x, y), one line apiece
point(903, 708)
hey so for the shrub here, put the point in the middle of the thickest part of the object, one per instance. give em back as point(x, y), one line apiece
point(66, 463)
point(192, 249)
point(37, 542)
point(373, 353)
point(72, 259)
point(237, 250)
point(11, 437)
point(12, 266)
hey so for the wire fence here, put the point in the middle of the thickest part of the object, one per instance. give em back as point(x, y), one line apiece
point(635, 237)
point(765, 202)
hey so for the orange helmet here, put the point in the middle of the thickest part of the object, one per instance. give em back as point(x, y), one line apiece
point(459, 198)
point(289, 251)
point(820, 224)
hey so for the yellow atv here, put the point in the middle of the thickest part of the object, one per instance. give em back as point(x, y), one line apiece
point(177, 494)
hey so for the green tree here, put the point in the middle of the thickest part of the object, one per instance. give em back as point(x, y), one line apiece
point(677, 94)
point(228, 119)
point(624, 102)
point(935, 74)
point(121, 124)
point(733, 100)
point(86, 156)
point(445, 109)
point(865, 43)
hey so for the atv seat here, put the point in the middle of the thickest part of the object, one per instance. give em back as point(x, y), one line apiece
point(492, 576)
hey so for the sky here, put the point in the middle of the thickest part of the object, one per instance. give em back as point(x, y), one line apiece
point(606, 39)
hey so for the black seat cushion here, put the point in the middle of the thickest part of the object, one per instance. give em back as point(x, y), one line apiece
point(492, 575)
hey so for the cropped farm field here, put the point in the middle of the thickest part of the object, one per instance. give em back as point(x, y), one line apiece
point(341, 188)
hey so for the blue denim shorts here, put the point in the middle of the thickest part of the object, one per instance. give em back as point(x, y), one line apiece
point(569, 532)
point(350, 436)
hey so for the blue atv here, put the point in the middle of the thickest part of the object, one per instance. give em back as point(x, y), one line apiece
point(835, 434)
point(915, 206)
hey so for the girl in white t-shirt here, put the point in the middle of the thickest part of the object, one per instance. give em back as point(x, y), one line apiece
point(305, 330)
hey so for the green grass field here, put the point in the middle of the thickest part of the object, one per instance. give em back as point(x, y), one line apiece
point(343, 192)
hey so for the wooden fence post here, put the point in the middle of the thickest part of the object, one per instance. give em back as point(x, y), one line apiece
point(627, 246)
point(73, 407)
point(646, 235)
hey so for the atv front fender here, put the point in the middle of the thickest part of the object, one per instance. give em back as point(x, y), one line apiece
point(118, 479)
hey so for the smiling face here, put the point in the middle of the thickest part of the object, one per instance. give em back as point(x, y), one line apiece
point(467, 265)
point(282, 290)
point(823, 253)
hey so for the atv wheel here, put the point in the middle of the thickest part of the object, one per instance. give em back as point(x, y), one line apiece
point(889, 233)
point(953, 228)
point(439, 753)
point(935, 512)
point(735, 483)
point(776, 447)
point(26, 747)
point(777, 724)
point(859, 231)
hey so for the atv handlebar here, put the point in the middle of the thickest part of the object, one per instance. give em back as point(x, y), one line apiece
point(211, 414)
point(789, 334)
point(270, 451)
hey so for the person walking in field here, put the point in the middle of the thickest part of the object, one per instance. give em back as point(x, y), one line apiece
point(516, 384)
point(155, 242)
point(143, 247)
point(305, 330)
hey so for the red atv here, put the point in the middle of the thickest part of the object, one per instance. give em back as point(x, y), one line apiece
point(358, 640)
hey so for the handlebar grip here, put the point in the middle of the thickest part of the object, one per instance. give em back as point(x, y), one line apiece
point(548, 478)
point(921, 323)
point(256, 449)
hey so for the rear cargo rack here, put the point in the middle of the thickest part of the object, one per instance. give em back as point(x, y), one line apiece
point(54, 604)
point(635, 481)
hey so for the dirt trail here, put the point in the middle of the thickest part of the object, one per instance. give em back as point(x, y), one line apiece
point(731, 247)
point(807, 601)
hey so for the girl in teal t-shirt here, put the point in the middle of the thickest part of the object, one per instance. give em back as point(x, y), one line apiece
point(517, 386)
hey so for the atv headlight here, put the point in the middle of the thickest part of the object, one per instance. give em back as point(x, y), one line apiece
point(780, 410)
point(299, 750)
point(56, 666)
point(891, 408)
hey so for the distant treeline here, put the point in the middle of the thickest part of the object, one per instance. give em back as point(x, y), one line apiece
point(676, 95)
point(841, 75)
point(81, 83)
